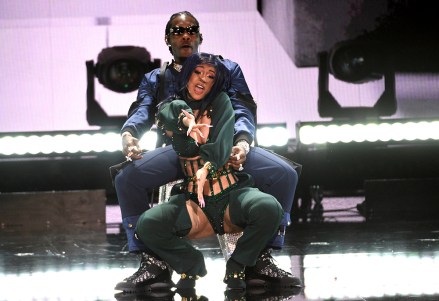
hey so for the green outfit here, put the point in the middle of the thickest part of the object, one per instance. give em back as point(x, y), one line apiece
point(163, 227)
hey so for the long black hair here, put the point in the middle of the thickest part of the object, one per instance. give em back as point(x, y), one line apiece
point(188, 68)
point(195, 60)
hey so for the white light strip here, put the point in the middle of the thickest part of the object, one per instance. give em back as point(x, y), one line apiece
point(68, 143)
point(366, 275)
point(105, 142)
point(272, 136)
point(371, 132)
point(148, 140)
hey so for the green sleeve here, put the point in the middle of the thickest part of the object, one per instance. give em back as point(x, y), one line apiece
point(170, 116)
point(219, 146)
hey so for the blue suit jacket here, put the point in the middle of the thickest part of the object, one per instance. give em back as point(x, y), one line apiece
point(141, 116)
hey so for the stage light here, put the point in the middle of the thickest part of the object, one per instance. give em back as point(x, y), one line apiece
point(272, 135)
point(357, 62)
point(19, 144)
point(65, 143)
point(149, 140)
point(350, 72)
point(356, 132)
point(119, 69)
point(81, 142)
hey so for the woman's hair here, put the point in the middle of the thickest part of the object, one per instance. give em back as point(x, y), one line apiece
point(186, 72)
point(188, 68)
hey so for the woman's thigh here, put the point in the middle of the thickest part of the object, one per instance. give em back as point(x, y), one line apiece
point(201, 226)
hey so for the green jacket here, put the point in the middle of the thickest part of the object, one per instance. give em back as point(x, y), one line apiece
point(220, 140)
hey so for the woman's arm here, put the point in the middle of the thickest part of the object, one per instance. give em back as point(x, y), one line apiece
point(217, 149)
point(170, 116)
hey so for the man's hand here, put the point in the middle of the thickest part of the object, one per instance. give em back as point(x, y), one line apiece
point(130, 147)
point(237, 158)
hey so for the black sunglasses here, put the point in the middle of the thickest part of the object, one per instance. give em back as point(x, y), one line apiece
point(178, 31)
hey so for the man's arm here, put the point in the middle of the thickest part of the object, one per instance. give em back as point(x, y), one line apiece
point(245, 114)
point(242, 102)
point(140, 116)
point(142, 111)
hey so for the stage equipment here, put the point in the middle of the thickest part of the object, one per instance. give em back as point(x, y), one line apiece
point(347, 67)
point(58, 161)
point(119, 69)
point(273, 136)
point(357, 62)
point(382, 130)
point(16, 145)
point(340, 157)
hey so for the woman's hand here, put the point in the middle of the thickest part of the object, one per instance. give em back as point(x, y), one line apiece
point(194, 128)
point(201, 179)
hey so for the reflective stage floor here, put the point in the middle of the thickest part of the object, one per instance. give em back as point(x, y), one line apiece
point(342, 258)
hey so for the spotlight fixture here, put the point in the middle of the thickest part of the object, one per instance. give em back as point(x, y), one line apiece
point(350, 72)
point(119, 69)
point(357, 62)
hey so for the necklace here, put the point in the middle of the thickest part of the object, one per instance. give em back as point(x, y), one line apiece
point(177, 67)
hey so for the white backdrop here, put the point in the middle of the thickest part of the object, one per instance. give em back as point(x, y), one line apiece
point(45, 43)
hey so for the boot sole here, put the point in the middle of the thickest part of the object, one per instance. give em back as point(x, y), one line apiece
point(260, 293)
point(271, 285)
point(158, 296)
point(159, 286)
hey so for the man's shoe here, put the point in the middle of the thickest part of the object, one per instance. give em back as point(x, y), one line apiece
point(153, 274)
point(267, 274)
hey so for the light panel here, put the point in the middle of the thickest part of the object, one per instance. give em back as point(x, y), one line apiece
point(275, 135)
point(384, 131)
point(21, 144)
point(67, 143)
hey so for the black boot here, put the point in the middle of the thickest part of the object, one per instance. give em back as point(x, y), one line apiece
point(186, 282)
point(235, 276)
point(267, 274)
point(153, 274)
point(234, 295)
